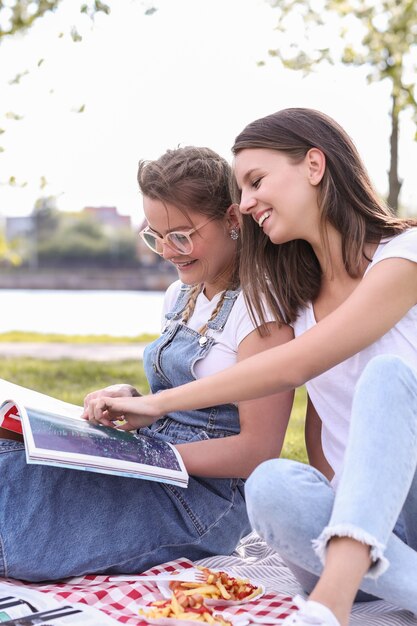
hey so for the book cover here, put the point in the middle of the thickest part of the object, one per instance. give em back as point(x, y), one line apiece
point(55, 434)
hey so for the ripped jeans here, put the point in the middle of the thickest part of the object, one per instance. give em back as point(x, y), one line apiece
point(296, 510)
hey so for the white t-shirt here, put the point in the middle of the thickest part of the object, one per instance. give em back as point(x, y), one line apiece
point(239, 324)
point(332, 392)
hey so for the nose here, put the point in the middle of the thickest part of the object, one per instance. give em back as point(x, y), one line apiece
point(167, 252)
point(247, 202)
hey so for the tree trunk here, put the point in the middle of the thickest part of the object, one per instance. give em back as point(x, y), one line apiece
point(393, 180)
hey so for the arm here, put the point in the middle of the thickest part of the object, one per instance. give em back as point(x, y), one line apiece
point(313, 441)
point(263, 423)
point(382, 298)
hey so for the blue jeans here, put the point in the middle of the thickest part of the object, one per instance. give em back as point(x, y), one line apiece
point(56, 523)
point(296, 510)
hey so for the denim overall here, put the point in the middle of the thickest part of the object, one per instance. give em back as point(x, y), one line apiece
point(57, 523)
point(170, 361)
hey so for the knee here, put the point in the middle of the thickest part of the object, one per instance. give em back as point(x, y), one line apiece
point(268, 490)
point(387, 368)
point(388, 377)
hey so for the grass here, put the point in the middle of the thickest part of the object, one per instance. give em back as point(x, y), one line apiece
point(21, 336)
point(71, 380)
point(294, 445)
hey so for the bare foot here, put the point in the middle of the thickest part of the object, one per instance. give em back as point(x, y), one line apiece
point(9, 434)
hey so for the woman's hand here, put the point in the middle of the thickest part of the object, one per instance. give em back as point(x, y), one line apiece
point(112, 391)
point(131, 412)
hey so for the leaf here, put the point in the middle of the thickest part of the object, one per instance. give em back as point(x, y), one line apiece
point(75, 35)
point(16, 80)
point(13, 116)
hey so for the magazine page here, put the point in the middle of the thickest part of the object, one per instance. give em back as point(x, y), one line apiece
point(22, 606)
point(53, 437)
point(59, 440)
point(34, 399)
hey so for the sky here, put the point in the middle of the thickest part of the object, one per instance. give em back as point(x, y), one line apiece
point(188, 74)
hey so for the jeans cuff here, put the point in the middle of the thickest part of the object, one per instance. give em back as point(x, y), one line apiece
point(379, 562)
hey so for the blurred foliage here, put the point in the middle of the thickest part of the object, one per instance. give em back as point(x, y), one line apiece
point(9, 255)
point(20, 336)
point(386, 46)
point(58, 239)
point(81, 244)
point(19, 15)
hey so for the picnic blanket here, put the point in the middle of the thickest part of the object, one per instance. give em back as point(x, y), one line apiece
point(252, 559)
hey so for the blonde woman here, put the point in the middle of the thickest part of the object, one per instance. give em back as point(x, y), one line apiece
point(56, 523)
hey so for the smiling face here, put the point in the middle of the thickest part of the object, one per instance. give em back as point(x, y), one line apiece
point(214, 252)
point(279, 193)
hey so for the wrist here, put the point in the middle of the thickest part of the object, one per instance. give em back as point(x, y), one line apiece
point(161, 402)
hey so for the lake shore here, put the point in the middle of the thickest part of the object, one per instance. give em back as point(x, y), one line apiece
point(140, 279)
point(80, 352)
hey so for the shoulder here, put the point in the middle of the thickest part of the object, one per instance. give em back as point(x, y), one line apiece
point(243, 307)
point(241, 320)
point(402, 246)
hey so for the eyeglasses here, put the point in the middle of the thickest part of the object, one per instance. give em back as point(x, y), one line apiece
point(178, 240)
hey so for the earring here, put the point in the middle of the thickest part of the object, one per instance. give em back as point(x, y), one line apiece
point(234, 234)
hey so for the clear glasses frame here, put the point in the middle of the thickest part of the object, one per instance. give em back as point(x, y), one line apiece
point(178, 240)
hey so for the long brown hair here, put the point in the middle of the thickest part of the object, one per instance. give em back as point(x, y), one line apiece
point(193, 179)
point(289, 275)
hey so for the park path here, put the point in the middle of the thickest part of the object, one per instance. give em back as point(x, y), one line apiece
point(88, 352)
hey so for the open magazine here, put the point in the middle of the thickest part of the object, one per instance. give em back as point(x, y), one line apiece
point(22, 606)
point(55, 434)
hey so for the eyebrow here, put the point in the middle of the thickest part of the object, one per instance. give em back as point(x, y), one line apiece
point(249, 173)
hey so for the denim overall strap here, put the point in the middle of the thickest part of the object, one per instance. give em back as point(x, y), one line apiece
point(180, 303)
point(170, 361)
point(218, 323)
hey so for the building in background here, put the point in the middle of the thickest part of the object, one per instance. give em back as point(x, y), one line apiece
point(108, 216)
point(18, 227)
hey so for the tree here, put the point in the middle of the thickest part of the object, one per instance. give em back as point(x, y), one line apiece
point(61, 239)
point(19, 15)
point(387, 47)
point(9, 255)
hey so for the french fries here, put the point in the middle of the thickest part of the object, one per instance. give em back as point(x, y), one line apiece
point(187, 608)
point(187, 601)
point(217, 586)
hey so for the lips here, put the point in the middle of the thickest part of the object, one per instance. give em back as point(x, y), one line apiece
point(180, 265)
point(263, 217)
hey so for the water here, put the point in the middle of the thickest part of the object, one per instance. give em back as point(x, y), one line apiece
point(116, 313)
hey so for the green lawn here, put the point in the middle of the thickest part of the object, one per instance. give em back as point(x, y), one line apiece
point(71, 380)
point(21, 336)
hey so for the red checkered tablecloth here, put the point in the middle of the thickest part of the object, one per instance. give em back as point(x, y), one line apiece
point(121, 600)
